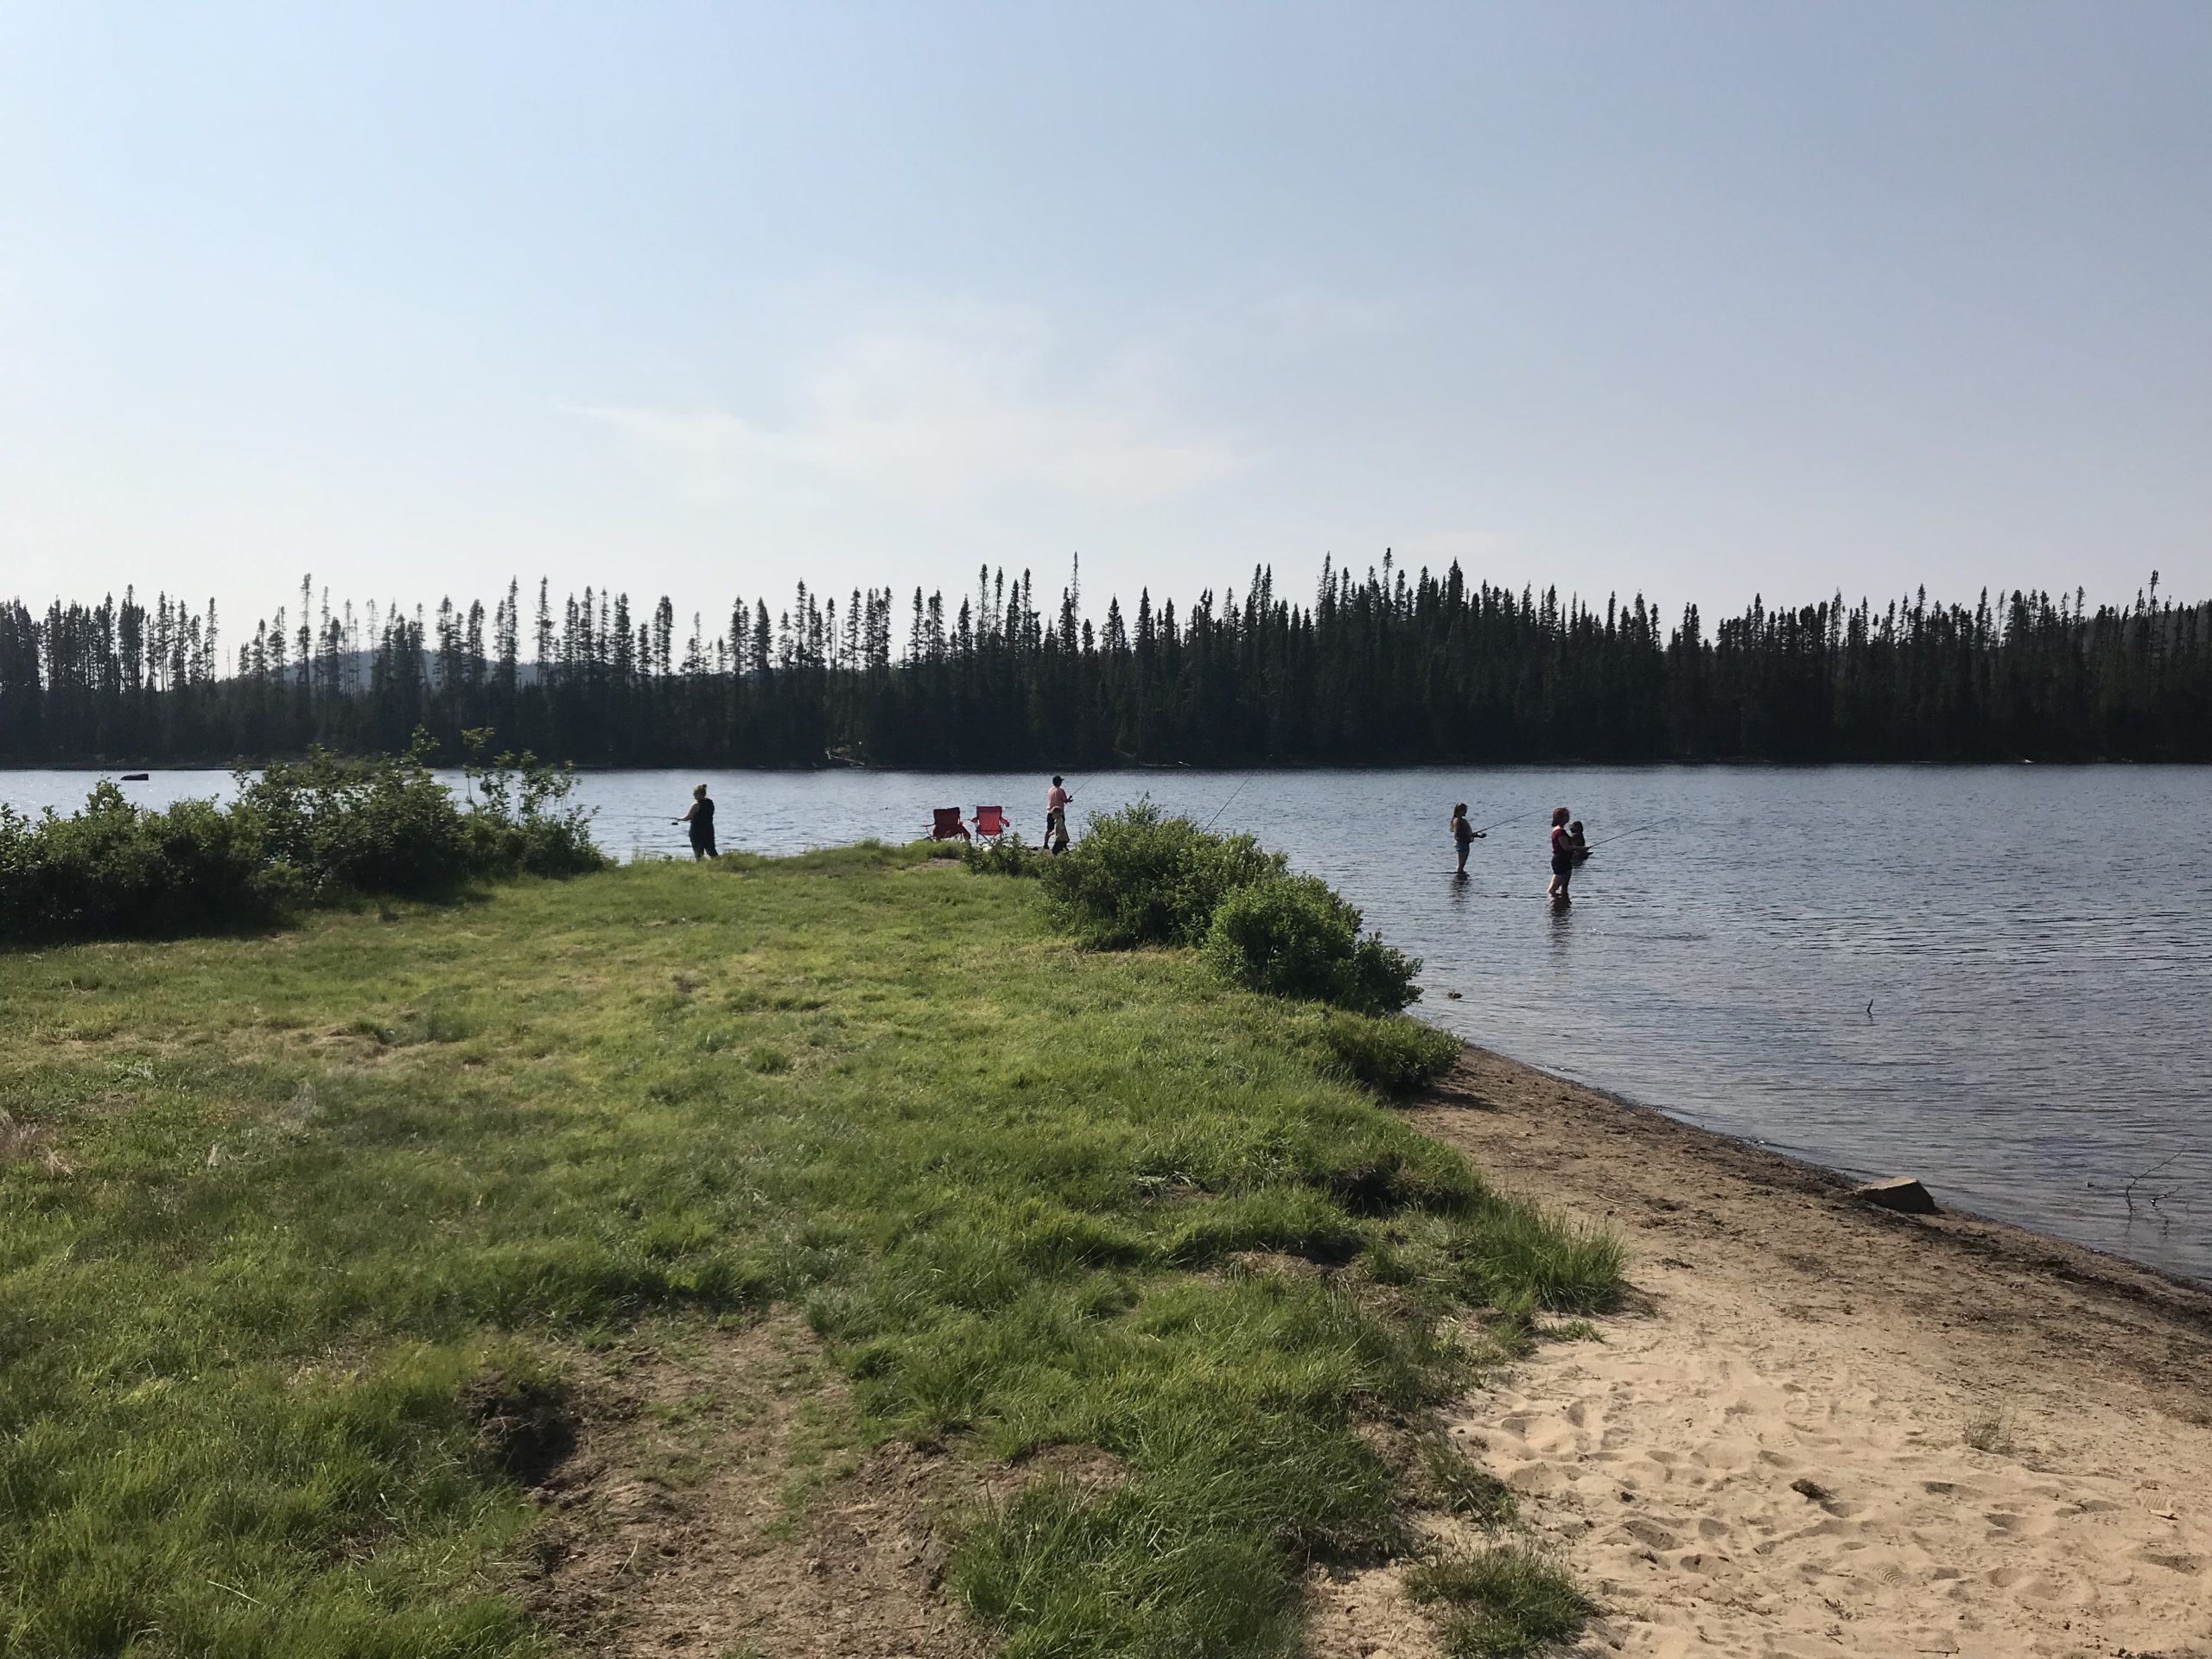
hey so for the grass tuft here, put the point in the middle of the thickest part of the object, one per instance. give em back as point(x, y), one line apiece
point(1469, 1491)
point(1518, 1250)
point(1395, 1055)
point(1510, 1600)
point(1992, 1431)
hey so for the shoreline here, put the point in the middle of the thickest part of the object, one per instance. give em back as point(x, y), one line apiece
point(1818, 1427)
point(2000, 1234)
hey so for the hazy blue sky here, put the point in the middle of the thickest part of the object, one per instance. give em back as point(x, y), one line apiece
point(1690, 299)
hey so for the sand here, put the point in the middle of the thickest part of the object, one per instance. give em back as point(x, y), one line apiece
point(1821, 1429)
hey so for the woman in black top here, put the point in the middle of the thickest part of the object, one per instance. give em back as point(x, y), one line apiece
point(701, 817)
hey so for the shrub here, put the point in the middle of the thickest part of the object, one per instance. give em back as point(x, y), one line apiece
point(303, 832)
point(516, 820)
point(1294, 936)
point(1009, 857)
point(1392, 1053)
point(1140, 877)
point(380, 825)
point(113, 869)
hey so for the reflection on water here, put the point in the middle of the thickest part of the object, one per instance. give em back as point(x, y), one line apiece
point(2035, 943)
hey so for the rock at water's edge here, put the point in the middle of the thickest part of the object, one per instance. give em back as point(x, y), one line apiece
point(1901, 1194)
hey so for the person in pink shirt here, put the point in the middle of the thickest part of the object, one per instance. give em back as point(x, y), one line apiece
point(1562, 856)
point(1056, 816)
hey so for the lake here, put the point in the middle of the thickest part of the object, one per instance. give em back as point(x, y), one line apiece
point(2035, 943)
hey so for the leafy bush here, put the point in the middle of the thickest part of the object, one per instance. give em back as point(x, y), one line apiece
point(303, 832)
point(113, 869)
point(1294, 936)
point(519, 820)
point(381, 825)
point(1393, 1052)
point(1009, 857)
point(1140, 877)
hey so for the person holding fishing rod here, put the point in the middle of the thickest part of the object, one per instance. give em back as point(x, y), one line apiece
point(701, 817)
point(1056, 800)
point(1464, 834)
point(1563, 857)
point(1577, 850)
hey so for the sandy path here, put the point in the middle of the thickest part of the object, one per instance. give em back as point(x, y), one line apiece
point(1780, 1333)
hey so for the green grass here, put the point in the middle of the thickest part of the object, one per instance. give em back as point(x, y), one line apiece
point(1510, 1600)
point(293, 1196)
point(1468, 1489)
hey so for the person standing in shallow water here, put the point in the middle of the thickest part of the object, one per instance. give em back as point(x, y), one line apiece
point(701, 817)
point(1562, 856)
point(1464, 834)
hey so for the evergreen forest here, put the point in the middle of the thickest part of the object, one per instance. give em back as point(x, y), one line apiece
point(1390, 667)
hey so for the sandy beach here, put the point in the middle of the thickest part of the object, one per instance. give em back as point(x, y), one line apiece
point(1821, 1429)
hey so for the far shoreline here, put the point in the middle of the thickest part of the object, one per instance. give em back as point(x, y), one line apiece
point(1258, 768)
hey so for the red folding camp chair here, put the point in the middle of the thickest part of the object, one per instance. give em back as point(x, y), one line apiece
point(946, 825)
point(990, 823)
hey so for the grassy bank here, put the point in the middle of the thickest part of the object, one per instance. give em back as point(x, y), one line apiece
point(270, 1204)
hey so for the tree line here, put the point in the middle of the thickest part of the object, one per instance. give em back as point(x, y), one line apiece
point(1387, 667)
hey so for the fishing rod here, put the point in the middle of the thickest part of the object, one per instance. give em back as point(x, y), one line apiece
point(1230, 801)
point(1657, 823)
point(1502, 823)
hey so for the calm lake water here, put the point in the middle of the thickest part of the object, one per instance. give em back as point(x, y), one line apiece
point(2036, 944)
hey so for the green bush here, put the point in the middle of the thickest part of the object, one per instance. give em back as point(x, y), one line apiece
point(380, 825)
point(1140, 877)
point(1294, 936)
point(302, 833)
point(1009, 857)
point(1391, 1052)
point(519, 820)
point(113, 869)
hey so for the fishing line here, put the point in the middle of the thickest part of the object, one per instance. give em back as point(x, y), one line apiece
point(1657, 823)
point(1502, 823)
point(1230, 801)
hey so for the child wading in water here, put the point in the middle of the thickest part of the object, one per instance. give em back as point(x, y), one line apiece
point(1464, 834)
point(1581, 848)
point(1562, 856)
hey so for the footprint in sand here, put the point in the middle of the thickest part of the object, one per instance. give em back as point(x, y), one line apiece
point(1650, 1532)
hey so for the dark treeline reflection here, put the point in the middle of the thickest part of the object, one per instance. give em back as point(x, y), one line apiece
point(1387, 668)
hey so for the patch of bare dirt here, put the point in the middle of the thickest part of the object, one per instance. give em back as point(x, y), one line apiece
point(341, 1043)
point(683, 1521)
point(29, 1143)
point(1278, 1263)
point(1364, 1613)
point(1086, 1467)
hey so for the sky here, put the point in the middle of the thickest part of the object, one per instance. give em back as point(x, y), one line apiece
point(1697, 301)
